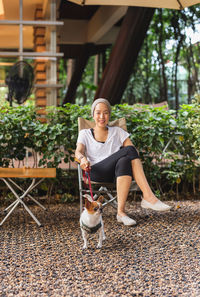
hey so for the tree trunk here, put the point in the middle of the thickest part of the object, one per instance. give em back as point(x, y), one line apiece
point(176, 72)
point(162, 61)
point(196, 86)
point(147, 92)
point(189, 81)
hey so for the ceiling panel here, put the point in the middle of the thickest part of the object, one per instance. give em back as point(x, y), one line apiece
point(172, 4)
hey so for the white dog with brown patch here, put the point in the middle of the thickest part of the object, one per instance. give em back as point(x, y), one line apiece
point(91, 220)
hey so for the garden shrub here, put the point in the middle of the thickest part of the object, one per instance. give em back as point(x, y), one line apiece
point(150, 128)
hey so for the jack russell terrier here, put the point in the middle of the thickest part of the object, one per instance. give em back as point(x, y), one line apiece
point(91, 220)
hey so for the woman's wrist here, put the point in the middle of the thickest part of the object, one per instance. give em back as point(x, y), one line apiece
point(81, 157)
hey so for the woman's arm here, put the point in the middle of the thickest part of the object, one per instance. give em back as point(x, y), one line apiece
point(80, 155)
point(80, 151)
point(127, 142)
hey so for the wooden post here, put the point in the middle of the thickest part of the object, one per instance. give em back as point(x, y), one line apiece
point(96, 70)
point(70, 70)
point(80, 64)
point(124, 53)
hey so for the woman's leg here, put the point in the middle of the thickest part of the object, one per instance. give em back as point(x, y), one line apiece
point(123, 173)
point(123, 186)
point(117, 166)
point(142, 182)
point(113, 166)
point(149, 200)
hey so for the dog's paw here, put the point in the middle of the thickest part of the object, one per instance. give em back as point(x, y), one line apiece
point(99, 245)
point(84, 247)
point(104, 237)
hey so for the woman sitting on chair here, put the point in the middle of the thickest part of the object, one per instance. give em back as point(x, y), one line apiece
point(110, 154)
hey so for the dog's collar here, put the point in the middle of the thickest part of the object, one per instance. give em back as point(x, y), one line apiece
point(91, 229)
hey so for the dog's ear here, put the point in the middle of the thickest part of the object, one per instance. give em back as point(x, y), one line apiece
point(88, 197)
point(87, 203)
point(100, 199)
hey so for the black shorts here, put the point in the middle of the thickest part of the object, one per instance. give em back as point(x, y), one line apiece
point(118, 164)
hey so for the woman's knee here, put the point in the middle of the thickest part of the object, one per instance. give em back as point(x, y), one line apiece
point(131, 152)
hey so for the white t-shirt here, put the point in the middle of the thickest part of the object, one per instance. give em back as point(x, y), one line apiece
point(96, 151)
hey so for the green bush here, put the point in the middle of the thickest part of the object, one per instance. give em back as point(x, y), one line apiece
point(168, 143)
point(193, 124)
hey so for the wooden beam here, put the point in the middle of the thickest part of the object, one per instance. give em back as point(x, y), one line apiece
point(110, 37)
point(100, 27)
point(73, 32)
point(103, 20)
point(124, 54)
point(78, 33)
point(73, 51)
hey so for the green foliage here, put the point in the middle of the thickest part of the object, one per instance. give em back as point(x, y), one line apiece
point(184, 163)
point(66, 117)
point(168, 144)
point(153, 78)
point(167, 66)
point(15, 126)
point(193, 125)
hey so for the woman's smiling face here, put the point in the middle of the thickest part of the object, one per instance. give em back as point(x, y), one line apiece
point(101, 115)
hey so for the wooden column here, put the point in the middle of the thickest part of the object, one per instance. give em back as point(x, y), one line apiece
point(70, 70)
point(96, 70)
point(80, 64)
point(124, 53)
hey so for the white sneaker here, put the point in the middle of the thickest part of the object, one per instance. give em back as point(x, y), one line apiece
point(126, 220)
point(158, 206)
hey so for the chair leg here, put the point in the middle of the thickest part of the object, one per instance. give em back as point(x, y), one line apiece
point(81, 202)
point(111, 200)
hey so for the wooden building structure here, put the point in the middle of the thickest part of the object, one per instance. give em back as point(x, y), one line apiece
point(45, 30)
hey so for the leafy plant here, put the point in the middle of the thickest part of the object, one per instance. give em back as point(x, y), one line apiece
point(168, 144)
point(193, 123)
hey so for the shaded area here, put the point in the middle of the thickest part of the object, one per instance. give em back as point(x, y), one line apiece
point(158, 257)
point(133, 26)
point(124, 54)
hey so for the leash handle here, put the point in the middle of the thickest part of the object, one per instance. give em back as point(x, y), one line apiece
point(85, 177)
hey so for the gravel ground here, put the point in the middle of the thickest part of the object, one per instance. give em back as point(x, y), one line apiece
point(158, 257)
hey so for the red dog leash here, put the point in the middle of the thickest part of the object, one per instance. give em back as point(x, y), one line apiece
point(86, 175)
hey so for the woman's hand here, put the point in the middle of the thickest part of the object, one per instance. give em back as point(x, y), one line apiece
point(85, 164)
point(80, 155)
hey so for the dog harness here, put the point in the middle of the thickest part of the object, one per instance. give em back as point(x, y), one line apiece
point(91, 230)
